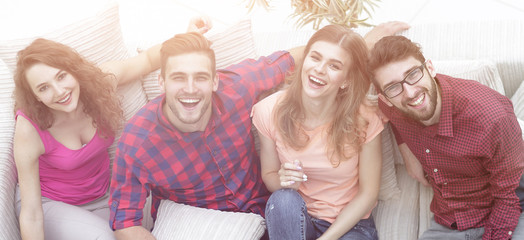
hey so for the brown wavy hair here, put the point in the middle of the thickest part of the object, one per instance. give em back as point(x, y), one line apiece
point(392, 49)
point(191, 42)
point(96, 92)
point(347, 128)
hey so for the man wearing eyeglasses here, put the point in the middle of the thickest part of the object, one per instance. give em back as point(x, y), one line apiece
point(457, 136)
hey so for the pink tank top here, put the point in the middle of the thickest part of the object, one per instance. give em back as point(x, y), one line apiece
point(73, 176)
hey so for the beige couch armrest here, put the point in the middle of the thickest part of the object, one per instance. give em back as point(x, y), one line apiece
point(8, 220)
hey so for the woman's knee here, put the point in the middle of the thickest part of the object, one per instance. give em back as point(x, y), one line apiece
point(285, 201)
point(283, 197)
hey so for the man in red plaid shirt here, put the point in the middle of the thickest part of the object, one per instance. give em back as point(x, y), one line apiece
point(458, 136)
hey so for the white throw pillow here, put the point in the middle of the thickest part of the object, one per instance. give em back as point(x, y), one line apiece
point(483, 71)
point(179, 221)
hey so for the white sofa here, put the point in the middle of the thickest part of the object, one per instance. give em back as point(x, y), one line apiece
point(490, 52)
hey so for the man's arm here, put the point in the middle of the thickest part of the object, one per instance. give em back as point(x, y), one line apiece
point(127, 193)
point(149, 60)
point(504, 141)
point(382, 30)
point(413, 165)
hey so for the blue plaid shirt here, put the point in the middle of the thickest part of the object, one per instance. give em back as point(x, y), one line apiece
point(216, 169)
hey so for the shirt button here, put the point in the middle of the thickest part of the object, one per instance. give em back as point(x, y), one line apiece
point(445, 183)
point(427, 150)
point(435, 170)
point(510, 232)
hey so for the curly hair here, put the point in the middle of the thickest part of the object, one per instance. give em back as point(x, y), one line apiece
point(347, 129)
point(97, 95)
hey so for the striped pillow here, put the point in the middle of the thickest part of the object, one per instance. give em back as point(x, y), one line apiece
point(179, 221)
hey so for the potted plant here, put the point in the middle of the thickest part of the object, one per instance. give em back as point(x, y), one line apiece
point(342, 12)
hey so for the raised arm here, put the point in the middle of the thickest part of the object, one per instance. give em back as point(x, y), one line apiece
point(149, 60)
point(27, 148)
point(297, 53)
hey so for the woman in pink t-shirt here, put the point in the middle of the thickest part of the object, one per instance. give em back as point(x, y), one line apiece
point(320, 144)
point(67, 115)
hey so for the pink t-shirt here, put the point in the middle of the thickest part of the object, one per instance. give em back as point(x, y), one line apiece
point(73, 176)
point(328, 189)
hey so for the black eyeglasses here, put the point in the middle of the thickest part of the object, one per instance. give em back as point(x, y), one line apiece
point(412, 78)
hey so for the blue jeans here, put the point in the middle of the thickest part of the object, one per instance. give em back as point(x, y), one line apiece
point(287, 219)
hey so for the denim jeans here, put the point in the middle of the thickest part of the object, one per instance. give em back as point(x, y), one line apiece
point(287, 219)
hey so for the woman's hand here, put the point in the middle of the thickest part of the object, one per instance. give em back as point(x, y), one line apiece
point(291, 174)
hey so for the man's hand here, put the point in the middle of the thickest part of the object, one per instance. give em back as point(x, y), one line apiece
point(200, 24)
point(413, 165)
point(382, 30)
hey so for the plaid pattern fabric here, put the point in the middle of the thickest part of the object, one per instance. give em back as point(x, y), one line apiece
point(217, 168)
point(474, 157)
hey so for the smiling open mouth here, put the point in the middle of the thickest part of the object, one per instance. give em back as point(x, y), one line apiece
point(64, 99)
point(189, 102)
point(417, 102)
point(317, 81)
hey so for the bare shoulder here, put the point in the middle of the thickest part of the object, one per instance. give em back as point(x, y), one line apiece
point(26, 139)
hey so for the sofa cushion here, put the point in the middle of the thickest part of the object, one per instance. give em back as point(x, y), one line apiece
point(179, 221)
point(388, 179)
point(521, 123)
point(483, 71)
point(8, 179)
point(398, 218)
point(518, 101)
point(497, 40)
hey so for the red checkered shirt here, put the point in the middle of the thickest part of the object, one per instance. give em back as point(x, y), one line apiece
point(216, 169)
point(474, 157)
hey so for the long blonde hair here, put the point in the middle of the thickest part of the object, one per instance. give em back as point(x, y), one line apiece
point(347, 128)
point(96, 92)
